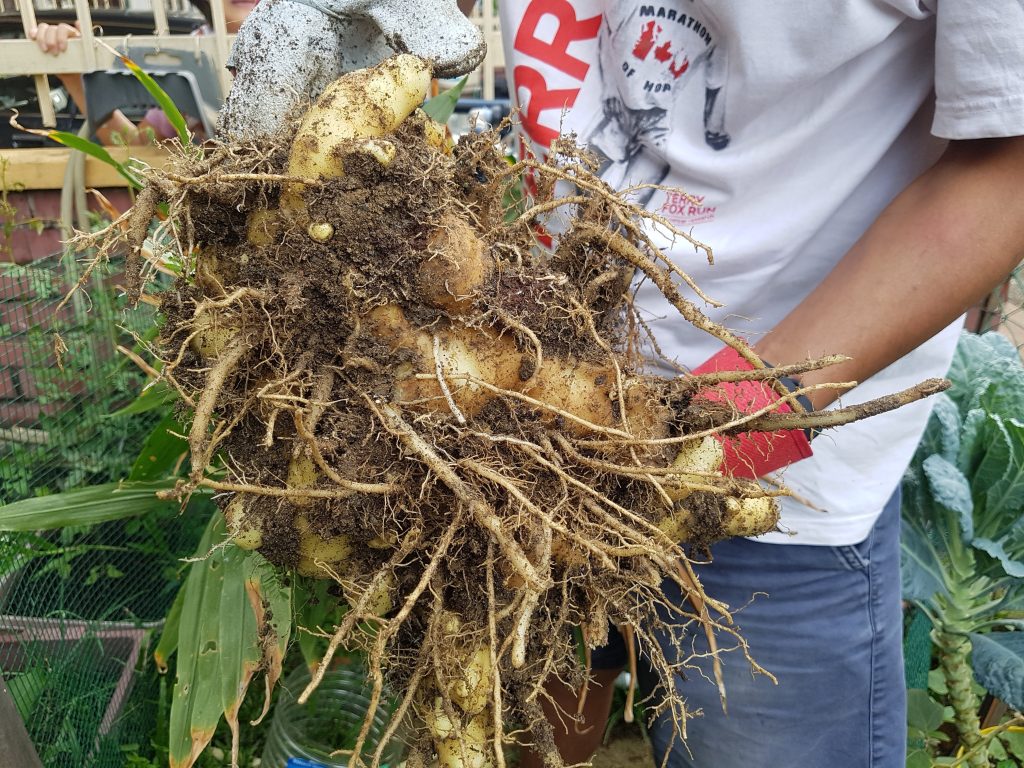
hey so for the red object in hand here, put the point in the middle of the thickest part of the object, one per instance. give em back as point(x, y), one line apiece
point(752, 454)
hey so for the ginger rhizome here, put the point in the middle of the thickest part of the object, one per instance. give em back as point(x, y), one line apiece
point(395, 387)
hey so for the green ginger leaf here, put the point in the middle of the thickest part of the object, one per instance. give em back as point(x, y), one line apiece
point(86, 506)
point(441, 107)
point(156, 395)
point(239, 651)
point(168, 643)
point(196, 702)
point(235, 620)
point(162, 451)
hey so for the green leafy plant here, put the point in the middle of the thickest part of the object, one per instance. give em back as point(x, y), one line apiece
point(233, 615)
point(963, 533)
point(212, 629)
point(441, 107)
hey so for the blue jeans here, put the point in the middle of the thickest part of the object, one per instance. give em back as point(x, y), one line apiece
point(830, 631)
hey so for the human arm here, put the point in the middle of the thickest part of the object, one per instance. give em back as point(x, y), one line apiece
point(935, 251)
point(715, 134)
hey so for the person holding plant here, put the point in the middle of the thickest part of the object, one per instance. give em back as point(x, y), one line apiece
point(866, 197)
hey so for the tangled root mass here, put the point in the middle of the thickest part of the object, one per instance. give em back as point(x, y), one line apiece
point(395, 387)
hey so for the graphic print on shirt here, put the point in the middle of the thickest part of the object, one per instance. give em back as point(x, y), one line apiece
point(648, 55)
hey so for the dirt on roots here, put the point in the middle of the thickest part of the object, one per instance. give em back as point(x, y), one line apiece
point(510, 506)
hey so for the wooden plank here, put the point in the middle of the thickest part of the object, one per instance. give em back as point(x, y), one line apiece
point(16, 747)
point(23, 57)
point(160, 18)
point(44, 168)
point(220, 36)
point(84, 19)
point(28, 23)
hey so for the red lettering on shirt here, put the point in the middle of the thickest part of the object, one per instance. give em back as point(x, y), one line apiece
point(663, 52)
point(540, 100)
point(556, 53)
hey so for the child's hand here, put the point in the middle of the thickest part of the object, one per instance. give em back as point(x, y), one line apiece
point(53, 38)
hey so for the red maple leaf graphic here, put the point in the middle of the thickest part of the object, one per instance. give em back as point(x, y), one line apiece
point(663, 52)
point(678, 69)
point(646, 42)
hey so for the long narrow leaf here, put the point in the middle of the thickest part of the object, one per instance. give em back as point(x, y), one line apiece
point(161, 452)
point(169, 637)
point(271, 602)
point(240, 653)
point(154, 396)
point(85, 506)
point(442, 106)
point(91, 148)
point(170, 109)
point(159, 94)
point(196, 704)
point(235, 620)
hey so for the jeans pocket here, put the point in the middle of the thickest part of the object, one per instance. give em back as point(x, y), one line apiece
point(854, 557)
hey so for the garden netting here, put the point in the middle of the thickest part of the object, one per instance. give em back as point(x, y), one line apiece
point(1004, 310)
point(81, 607)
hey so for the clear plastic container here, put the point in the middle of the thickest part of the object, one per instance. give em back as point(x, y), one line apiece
point(329, 721)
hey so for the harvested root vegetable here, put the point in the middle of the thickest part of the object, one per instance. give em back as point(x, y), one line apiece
point(400, 390)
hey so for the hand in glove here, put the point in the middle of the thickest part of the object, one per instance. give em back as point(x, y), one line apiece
point(753, 454)
point(288, 51)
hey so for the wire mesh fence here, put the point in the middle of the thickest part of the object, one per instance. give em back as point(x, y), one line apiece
point(79, 607)
point(56, 431)
point(1004, 309)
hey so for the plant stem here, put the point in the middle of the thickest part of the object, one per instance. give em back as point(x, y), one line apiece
point(954, 651)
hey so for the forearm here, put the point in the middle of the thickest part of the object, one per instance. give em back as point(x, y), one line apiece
point(117, 124)
point(935, 251)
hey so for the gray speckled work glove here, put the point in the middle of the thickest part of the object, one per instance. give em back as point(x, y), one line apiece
point(288, 51)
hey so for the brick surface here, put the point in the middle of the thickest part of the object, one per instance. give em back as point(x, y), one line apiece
point(28, 386)
point(25, 246)
point(23, 413)
point(22, 204)
point(18, 247)
point(48, 317)
point(21, 317)
point(15, 315)
point(7, 390)
point(15, 286)
point(44, 204)
point(13, 353)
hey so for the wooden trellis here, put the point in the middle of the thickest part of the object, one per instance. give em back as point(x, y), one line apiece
point(84, 54)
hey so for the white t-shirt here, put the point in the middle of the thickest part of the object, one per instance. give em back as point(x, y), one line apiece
point(794, 123)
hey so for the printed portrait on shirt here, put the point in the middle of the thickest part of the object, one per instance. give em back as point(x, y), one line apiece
point(649, 54)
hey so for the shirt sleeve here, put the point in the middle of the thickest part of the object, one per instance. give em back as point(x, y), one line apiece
point(979, 69)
